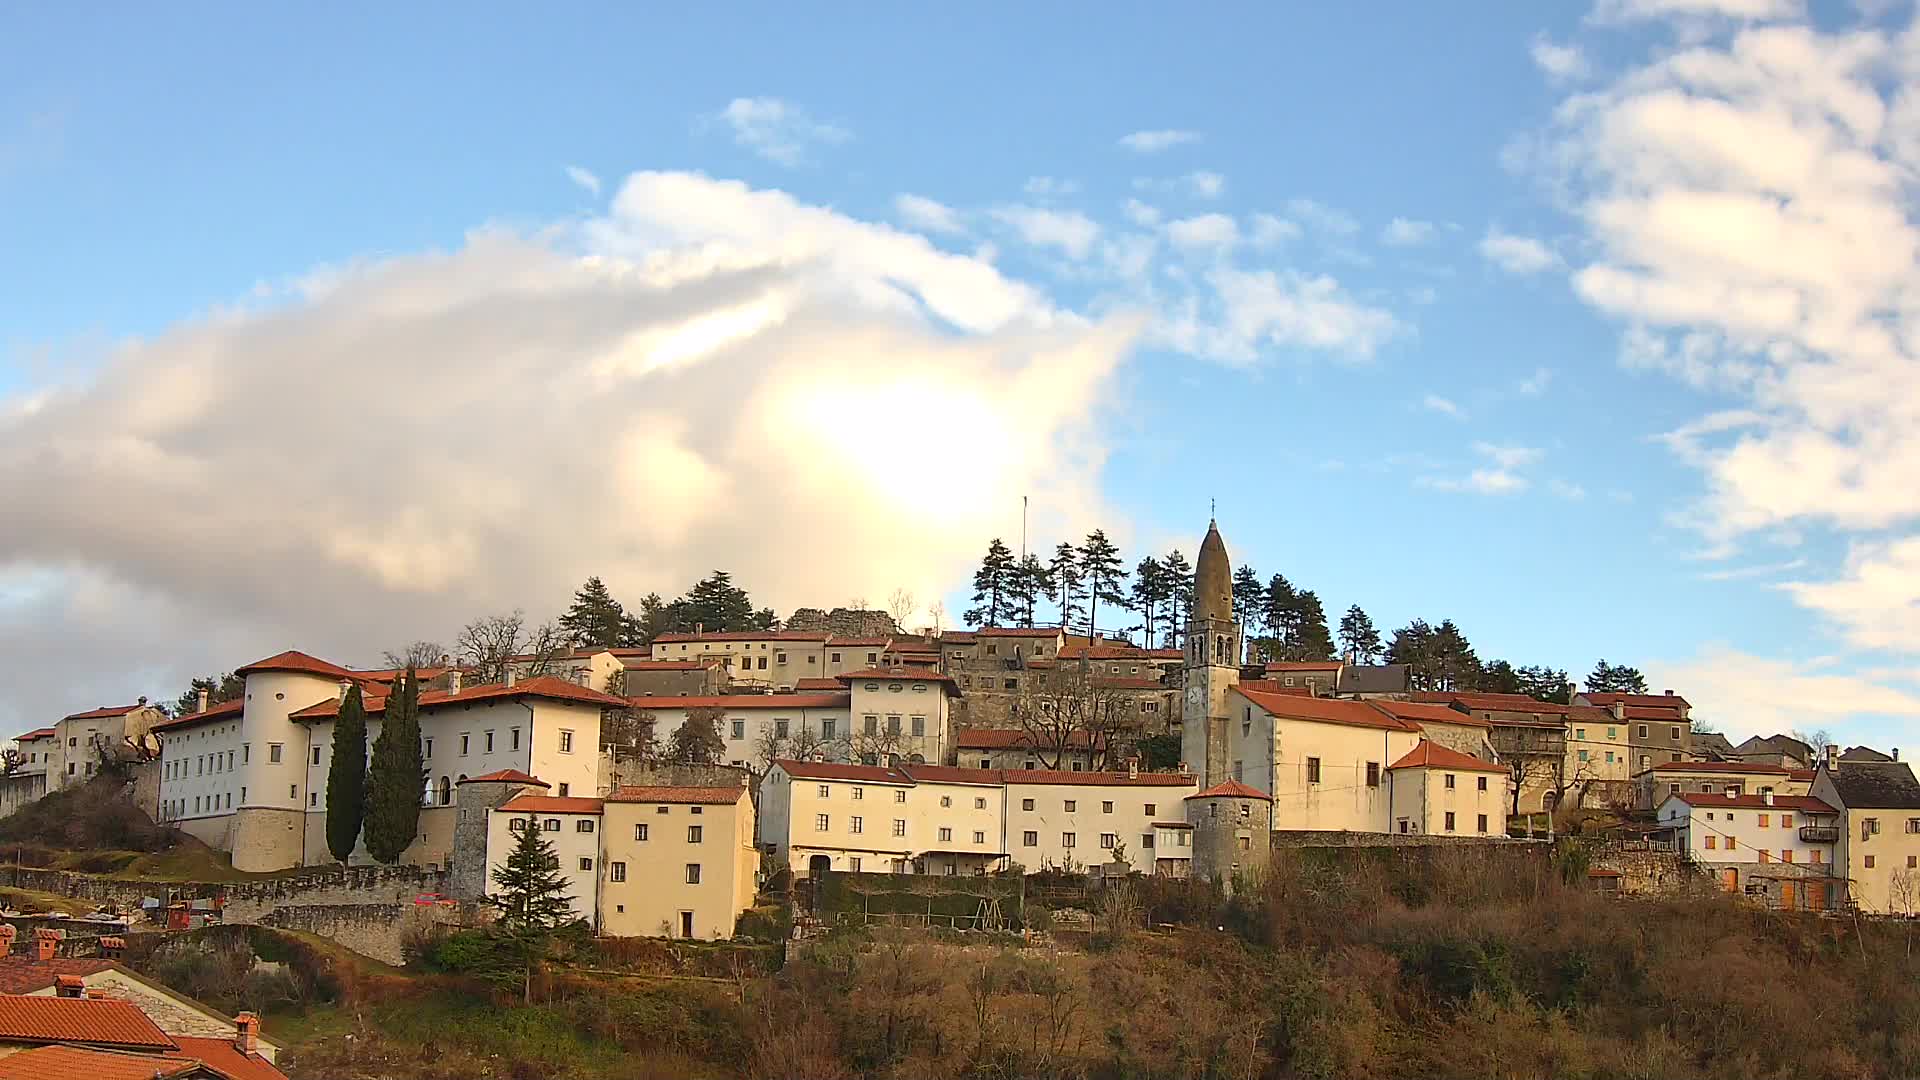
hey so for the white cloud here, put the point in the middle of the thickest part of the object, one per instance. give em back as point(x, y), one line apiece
point(1501, 476)
point(1536, 384)
point(1755, 695)
point(1206, 234)
point(1566, 489)
point(777, 130)
point(1742, 573)
point(1517, 254)
point(927, 215)
point(1153, 142)
point(1630, 10)
point(1271, 231)
point(1141, 214)
point(1323, 218)
point(1068, 230)
point(1045, 187)
point(1402, 232)
point(1508, 457)
point(423, 437)
point(1558, 61)
point(1876, 600)
point(1248, 311)
point(1206, 185)
point(587, 181)
point(1443, 406)
point(1200, 184)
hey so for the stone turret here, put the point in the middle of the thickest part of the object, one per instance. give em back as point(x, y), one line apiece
point(477, 800)
point(1232, 833)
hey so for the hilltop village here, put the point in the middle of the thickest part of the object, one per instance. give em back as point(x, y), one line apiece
point(980, 751)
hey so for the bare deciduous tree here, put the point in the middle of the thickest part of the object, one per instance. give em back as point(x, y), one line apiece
point(10, 760)
point(900, 607)
point(489, 645)
point(417, 654)
point(1068, 709)
point(883, 745)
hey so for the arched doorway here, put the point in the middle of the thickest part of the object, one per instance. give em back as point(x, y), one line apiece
point(818, 866)
point(446, 791)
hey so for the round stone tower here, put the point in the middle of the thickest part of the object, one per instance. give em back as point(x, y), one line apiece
point(1232, 833)
point(1212, 662)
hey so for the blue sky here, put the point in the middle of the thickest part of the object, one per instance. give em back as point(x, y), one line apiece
point(1413, 302)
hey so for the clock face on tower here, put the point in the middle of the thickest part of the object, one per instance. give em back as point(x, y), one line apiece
point(1196, 697)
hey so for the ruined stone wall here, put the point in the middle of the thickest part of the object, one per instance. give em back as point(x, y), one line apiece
point(1646, 870)
point(377, 931)
point(842, 622)
point(1312, 838)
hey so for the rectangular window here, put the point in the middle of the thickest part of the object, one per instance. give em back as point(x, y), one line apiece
point(899, 796)
point(870, 725)
point(859, 794)
point(1449, 821)
point(1786, 821)
point(1643, 731)
point(566, 742)
point(853, 863)
point(616, 871)
point(552, 824)
point(489, 742)
point(1026, 804)
point(1869, 862)
point(820, 822)
point(1482, 784)
point(1817, 858)
point(1763, 821)
point(827, 729)
point(1582, 755)
point(466, 743)
point(856, 825)
point(1150, 809)
point(584, 825)
point(316, 755)
point(563, 789)
point(640, 831)
point(1146, 841)
point(919, 725)
point(1373, 774)
point(273, 752)
point(1481, 824)
point(1030, 838)
point(513, 738)
point(1449, 784)
point(246, 753)
point(899, 827)
point(1072, 804)
point(1106, 807)
point(946, 835)
point(586, 863)
point(824, 790)
point(694, 833)
point(780, 729)
point(979, 837)
point(979, 804)
point(1066, 840)
point(1676, 734)
point(693, 873)
point(1786, 855)
point(1108, 840)
point(893, 725)
point(1313, 770)
point(946, 800)
point(1732, 842)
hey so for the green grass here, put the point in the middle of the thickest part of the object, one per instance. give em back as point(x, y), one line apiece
point(32, 902)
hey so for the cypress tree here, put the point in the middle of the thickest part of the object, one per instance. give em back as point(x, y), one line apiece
point(397, 777)
point(347, 777)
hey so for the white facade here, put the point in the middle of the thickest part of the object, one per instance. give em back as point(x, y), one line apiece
point(571, 825)
point(1749, 828)
point(1442, 793)
point(745, 716)
point(1060, 820)
point(913, 703)
point(200, 767)
point(1324, 761)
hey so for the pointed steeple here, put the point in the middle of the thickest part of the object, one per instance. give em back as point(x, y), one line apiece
point(1213, 578)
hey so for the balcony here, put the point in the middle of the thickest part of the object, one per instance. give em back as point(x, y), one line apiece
point(1819, 834)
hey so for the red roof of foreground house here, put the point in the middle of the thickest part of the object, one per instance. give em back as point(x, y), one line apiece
point(551, 804)
point(544, 686)
point(80, 1063)
point(832, 770)
point(1091, 779)
point(1806, 804)
point(40, 733)
point(1660, 701)
point(25, 975)
point(1231, 789)
point(1431, 755)
point(1742, 767)
point(819, 683)
point(1421, 712)
point(105, 712)
point(94, 1021)
point(225, 1058)
point(1642, 712)
point(1272, 686)
point(1325, 710)
point(295, 661)
point(225, 710)
point(951, 774)
point(1492, 702)
point(745, 701)
point(698, 796)
point(506, 776)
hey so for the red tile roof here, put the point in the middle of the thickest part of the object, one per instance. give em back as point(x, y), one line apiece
point(295, 661)
point(1326, 710)
point(1431, 755)
point(827, 683)
point(80, 1063)
point(1272, 686)
point(225, 710)
point(104, 712)
point(1076, 651)
point(38, 733)
point(876, 643)
point(1669, 701)
point(743, 635)
point(546, 687)
point(1520, 703)
point(949, 774)
point(957, 637)
point(667, 665)
point(506, 776)
point(1007, 739)
point(95, 1021)
point(1635, 712)
point(1802, 774)
point(225, 1058)
point(831, 770)
point(902, 671)
point(1806, 804)
point(839, 700)
point(1740, 767)
point(1231, 789)
point(1093, 779)
point(20, 974)
point(1422, 713)
point(551, 804)
point(1304, 665)
point(699, 796)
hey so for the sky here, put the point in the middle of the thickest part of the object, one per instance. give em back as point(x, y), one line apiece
point(1594, 329)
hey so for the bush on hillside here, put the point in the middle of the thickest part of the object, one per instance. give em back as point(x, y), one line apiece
point(97, 815)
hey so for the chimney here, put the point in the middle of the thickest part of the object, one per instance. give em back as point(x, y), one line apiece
point(446, 660)
point(1669, 693)
point(246, 1033)
point(512, 675)
point(203, 699)
point(69, 986)
point(1767, 796)
point(1133, 768)
point(345, 685)
point(453, 680)
point(1619, 709)
point(7, 934)
point(1896, 753)
point(143, 700)
point(45, 944)
point(1733, 791)
point(1833, 757)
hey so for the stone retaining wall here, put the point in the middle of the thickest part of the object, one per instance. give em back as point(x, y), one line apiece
point(1310, 838)
point(377, 931)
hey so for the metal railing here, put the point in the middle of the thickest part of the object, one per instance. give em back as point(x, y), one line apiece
point(1819, 834)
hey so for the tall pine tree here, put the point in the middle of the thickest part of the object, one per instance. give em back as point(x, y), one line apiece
point(1179, 574)
point(531, 895)
point(1149, 595)
point(397, 778)
point(347, 776)
point(595, 619)
point(1311, 641)
point(1615, 679)
point(1032, 582)
point(1105, 575)
point(993, 587)
point(1249, 601)
point(1278, 610)
point(1064, 571)
point(1358, 636)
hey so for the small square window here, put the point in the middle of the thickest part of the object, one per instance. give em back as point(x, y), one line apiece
point(1072, 804)
point(586, 863)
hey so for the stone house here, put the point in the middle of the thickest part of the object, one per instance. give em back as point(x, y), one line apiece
point(1780, 848)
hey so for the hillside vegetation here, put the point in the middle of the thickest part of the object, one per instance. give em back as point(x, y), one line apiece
point(1450, 964)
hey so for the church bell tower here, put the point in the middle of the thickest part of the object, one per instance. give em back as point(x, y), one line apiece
point(1212, 661)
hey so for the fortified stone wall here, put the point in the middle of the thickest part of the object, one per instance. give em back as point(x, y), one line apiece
point(377, 931)
point(1307, 838)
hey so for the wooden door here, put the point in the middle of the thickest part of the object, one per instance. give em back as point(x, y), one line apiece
point(1789, 896)
point(1816, 896)
point(1730, 879)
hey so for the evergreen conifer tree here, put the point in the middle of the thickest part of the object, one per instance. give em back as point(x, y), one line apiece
point(396, 779)
point(993, 586)
point(1179, 573)
point(1358, 636)
point(1105, 575)
point(595, 618)
point(1032, 582)
point(529, 890)
point(1065, 571)
point(347, 776)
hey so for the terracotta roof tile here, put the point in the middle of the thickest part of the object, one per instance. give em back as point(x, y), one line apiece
point(1423, 713)
point(1231, 789)
point(1731, 767)
point(95, 1021)
point(1094, 779)
point(295, 661)
point(699, 796)
point(81, 1063)
point(951, 774)
point(1326, 710)
point(824, 683)
point(23, 975)
point(1304, 665)
point(104, 712)
point(742, 635)
point(833, 770)
point(543, 686)
point(226, 1058)
point(506, 776)
point(550, 804)
point(1804, 803)
point(225, 710)
point(1431, 755)
point(1272, 686)
point(38, 733)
